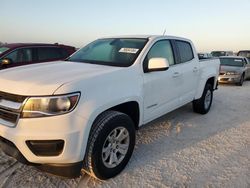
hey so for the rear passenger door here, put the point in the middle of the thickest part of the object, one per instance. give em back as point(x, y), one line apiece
point(188, 68)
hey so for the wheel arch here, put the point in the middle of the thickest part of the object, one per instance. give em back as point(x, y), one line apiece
point(211, 79)
point(130, 108)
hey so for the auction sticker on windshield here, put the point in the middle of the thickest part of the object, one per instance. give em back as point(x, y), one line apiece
point(129, 50)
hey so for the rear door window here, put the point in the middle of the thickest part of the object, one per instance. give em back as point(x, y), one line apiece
point(185, 51)
point(49, 53)
point(64, 52)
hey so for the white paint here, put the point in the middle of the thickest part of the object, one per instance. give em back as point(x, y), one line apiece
point(101, 87)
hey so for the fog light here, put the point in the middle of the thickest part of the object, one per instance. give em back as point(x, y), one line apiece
point(46, 147)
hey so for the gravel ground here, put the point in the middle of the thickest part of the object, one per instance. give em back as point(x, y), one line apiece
point(181, 149)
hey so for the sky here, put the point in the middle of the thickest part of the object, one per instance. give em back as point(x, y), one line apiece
point(210, 24)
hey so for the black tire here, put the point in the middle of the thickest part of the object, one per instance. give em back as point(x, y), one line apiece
point(241, 80)
point(102, 127)
point(199, 105)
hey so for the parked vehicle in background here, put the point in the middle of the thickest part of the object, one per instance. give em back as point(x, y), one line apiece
point(244, 53)
point(222, 53)
point(18, 54)
point(234, 69)
point(205, 55)
point(83, 112)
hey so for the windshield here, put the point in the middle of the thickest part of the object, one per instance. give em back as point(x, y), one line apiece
point(236, 62)
point(218, 53)
point(3, 49)
point(120, 52)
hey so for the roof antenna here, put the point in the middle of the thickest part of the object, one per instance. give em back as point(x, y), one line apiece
point(164, 32)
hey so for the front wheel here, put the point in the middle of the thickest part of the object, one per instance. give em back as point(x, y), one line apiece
point(203, 104)
point(110, 145)
point(241, 80)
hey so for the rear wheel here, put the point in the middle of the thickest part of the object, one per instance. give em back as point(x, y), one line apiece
point(110, 145)
point(203, 104)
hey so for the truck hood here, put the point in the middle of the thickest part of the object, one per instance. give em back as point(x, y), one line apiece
point(45, 78)
point(231, 68)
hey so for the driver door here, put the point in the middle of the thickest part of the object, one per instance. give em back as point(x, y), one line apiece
point(161, 88)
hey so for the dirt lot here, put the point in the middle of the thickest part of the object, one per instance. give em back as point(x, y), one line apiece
point(181, 149)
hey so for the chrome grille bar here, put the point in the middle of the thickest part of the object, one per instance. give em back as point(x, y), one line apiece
point(10, 108)
point(10, 105)
point(8, 118)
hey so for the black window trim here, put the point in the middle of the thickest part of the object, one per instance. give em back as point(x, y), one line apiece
point(144, 66)
point(178, 51)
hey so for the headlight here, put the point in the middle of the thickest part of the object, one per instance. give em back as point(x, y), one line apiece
point(232, 73)
point(49, 106)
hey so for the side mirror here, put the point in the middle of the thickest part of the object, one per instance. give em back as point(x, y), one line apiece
point(157, 64)
point(5, 62)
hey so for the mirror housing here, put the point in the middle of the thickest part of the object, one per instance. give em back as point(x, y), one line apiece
point(5, 62)
point(157, 64)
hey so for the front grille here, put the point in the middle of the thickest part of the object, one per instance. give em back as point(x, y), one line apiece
point(10, 108)
point(12, 97)
point(8, 116)
point(224, 79)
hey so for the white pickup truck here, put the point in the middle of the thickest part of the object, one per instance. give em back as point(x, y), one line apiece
point(82, 113)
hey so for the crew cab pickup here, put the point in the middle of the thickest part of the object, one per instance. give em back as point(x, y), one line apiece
point(82, 113)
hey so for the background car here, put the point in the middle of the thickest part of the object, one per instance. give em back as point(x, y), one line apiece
point(222, 53)
point(244, 53)
point(205, 55)
point(234, 69)
point(18, 54)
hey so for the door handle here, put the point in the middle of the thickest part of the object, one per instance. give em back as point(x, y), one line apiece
point(176, 74)
point(195, 69)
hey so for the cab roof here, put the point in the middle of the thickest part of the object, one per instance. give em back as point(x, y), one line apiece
point(148, 37)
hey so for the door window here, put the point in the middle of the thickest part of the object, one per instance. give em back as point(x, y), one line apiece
point(65, 53)
point(185, 51)
point(49, 53)
point(20, 55)
point(161, 49)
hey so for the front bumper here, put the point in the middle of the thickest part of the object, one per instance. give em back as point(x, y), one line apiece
point(229, 79)
point(69, 128)
point(70, 170)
